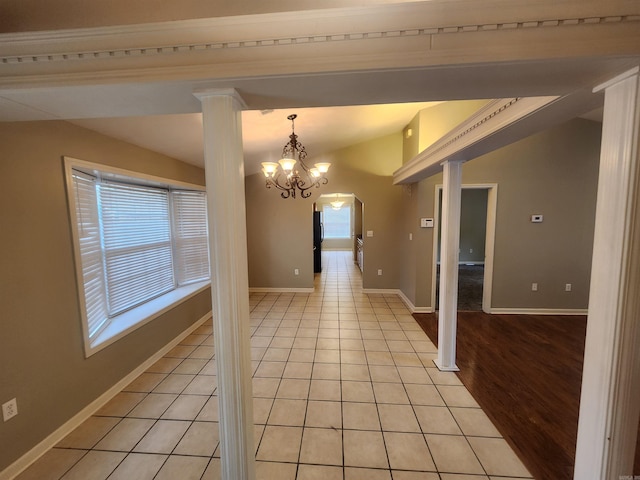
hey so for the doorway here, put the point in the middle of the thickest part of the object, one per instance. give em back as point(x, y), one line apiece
point(477, 236)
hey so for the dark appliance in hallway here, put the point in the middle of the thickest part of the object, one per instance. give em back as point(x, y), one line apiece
point(318, 236)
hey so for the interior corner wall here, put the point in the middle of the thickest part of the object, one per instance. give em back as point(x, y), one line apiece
point(279, 231)
point(41, 346)
point(553, 173)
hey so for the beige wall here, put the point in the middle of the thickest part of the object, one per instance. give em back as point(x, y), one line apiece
point(280, 230)
point(553, 173)
point(41, 346)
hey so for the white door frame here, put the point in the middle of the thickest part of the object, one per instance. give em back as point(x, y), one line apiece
point(490, 237)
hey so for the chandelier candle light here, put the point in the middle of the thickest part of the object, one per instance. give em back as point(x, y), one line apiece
point(288, 178)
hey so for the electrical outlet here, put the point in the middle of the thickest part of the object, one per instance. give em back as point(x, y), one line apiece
point(296, 271)
point(567, 287)
point(379, 271)
point(534, 287)
point(9, 409)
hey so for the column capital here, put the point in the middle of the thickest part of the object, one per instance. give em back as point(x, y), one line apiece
point(203, 93)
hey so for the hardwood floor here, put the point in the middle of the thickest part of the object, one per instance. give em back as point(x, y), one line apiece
point(525, 371)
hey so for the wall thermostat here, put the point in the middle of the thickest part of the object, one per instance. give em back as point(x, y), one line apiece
point(536, 218)
point(426, 222)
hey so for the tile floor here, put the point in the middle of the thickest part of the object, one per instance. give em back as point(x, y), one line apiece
point(344, 389)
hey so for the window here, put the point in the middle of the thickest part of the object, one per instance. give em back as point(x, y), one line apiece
point(337, 223)
point(141, 245)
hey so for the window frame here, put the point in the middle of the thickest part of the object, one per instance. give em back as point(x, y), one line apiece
point(130, 320)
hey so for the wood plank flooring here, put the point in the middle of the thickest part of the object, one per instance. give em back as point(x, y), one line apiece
point(525, 371)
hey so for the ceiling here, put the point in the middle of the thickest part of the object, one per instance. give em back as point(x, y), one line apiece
point(321, 130)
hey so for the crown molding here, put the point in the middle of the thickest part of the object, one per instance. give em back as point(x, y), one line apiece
point(405, 35)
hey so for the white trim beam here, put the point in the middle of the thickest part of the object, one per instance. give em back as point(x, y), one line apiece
point(224, 170)
point(609, 407)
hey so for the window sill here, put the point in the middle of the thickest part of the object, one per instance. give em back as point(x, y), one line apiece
point(133, 319)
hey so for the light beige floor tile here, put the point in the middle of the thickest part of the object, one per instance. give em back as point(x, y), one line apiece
point(376, 345)
point(328, 344)
point(424, 395)
point(88, 433)
point(436, 420)
point(326, 371)
point(282, 342)
point(497, 457)
point(398, 418)
point(357, 373)
point(275, 471)
point(124, 436)
point(417, 375)
point(210, 368)
point(164, 365)
point(321, 446)
point(194, 339)
point(181, 351)
point(298, 370)
point(379, 358)
point(357, 392)
point(287, 412)
point(174, 383)
point(302, 355)
point(390, 393)
point(408, 451)
point(364, 449)
point(304, 343)
point(138, 466)
point(202, 385)
point(384, 373)
point(95, 465)
point(257, 353)
point(190, 366)
point(121, 404)
point(453, 454)
point(203, 351)
point(265, 387)
point(261, 409)
point(52, 465)
point(319, 472)
point(270, 369)
point(153, 406)
point(276, 354)
point(407, 359)
point(280, 444)
point(325, 390)
point(360, 416)
point(474, 422)
point(327, 356)
point(163, 436)
point(400, 475)
point(443, 378)
point(201, 439)
point(324, 414)
point(183, 468)
point(293, 388)
point(374, 334)
point(185, 407)
point(356, 357)
point(209, 412)
point(145, 382)
point(456, 396)
point(352, 473)
point(457, 476)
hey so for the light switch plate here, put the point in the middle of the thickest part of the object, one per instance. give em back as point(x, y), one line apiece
point(537, 218)
point(369, 233)
point(426, 223)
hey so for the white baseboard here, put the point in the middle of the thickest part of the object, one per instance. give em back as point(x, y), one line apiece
point(45, 445)
point(280, 290)
point(395, 291)
point(538, 311)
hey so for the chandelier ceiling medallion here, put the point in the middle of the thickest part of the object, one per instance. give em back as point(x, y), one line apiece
point(288, 177)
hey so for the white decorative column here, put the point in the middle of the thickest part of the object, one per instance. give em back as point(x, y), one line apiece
point(224, 165)
point(610, 398)
point(449, 255)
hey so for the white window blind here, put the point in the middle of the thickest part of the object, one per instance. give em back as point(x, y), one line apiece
point(137, 244)
point(190, 233)
point(90, 252)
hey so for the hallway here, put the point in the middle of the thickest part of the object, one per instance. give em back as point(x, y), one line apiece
point(344, 389)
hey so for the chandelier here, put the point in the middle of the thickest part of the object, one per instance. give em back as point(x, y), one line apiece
point(288, 177)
